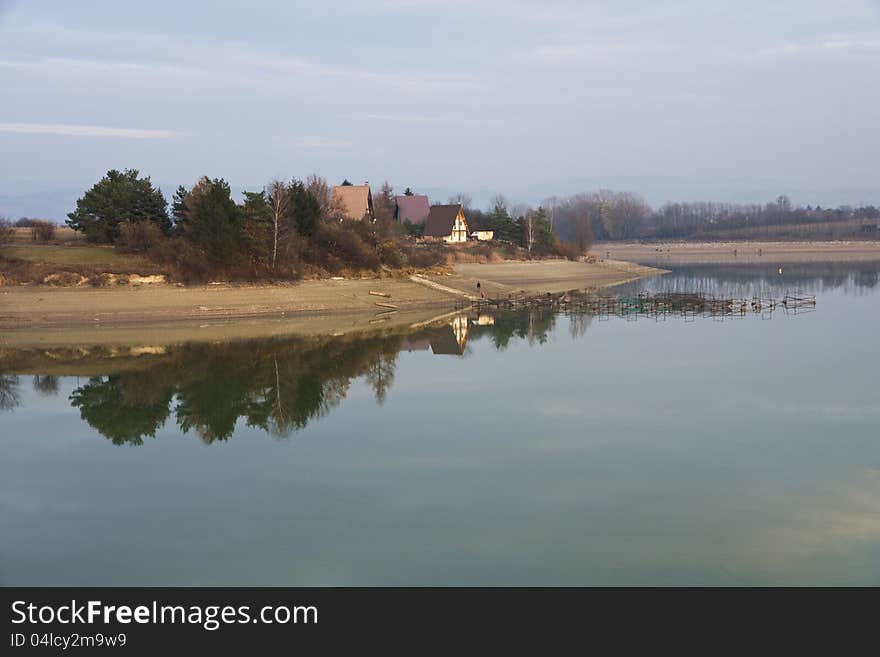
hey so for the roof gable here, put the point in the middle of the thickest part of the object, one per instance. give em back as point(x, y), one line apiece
point(440, 220)
point(357, 200)
point(413, 208)
point(444, 342)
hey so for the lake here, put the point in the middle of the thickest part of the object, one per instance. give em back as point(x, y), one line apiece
point(530, 448)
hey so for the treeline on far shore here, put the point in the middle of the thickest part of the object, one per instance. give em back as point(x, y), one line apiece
point(287, 230)
point(607, 215)
point(295, 228)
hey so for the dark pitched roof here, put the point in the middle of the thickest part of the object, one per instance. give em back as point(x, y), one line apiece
point(443, 342)
point(415, 344)
point(440, 220)
point(415, 208)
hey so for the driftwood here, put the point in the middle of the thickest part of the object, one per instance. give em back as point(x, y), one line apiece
point(380, 294)
point(386, 305)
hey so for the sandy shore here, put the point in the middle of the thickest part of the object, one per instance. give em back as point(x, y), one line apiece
point(661, 253)
point(161, 314)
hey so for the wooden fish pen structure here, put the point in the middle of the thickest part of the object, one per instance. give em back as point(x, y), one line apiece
point(657, 306)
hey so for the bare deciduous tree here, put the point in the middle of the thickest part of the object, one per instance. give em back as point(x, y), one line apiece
point(550, 204)
point(6, 230)
point(279, 206)
point(43, 231)
point(461, 199)
point(337, 210)
point(520, 210)
point(498, 202)
point(317, 186)
point(530, 221)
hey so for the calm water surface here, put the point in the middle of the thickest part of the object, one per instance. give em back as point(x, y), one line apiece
point(529, 449)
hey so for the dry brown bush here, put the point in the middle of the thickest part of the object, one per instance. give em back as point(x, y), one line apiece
point(43, 231)
point(424, 255)
point(343, 245)
point(568, 250)
point(139, 237)
point(390, 254)
point(7, 230)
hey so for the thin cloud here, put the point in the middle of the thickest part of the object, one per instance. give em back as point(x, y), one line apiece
point(317, 142)
point(416, 118)
point(222, 61)
point(584, 53)
point(831, 45)
point(71, 130)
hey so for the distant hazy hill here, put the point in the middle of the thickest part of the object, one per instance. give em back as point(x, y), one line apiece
point(46, 204)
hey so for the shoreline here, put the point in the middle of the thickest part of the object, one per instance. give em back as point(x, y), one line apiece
point(163, 314)
point(727, 252)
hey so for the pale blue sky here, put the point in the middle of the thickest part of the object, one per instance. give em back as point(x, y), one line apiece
point(687, 100)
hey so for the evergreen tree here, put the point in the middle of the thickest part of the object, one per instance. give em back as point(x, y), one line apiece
point(214, 222)
point(118, 197)
point(500, 221)
point(178, 209)
point(306, 208)
point(257, 225)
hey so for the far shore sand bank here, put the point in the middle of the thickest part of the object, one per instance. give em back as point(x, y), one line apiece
point(670, 253)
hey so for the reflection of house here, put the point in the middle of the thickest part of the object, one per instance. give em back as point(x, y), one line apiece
point(484, 320)
point(447, 222)
point(451, 339)
point(483, 235)
point(356, 201)
point(415, 344)
point(414, 209)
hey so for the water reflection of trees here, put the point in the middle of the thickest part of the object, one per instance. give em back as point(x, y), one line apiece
point(280, 385)
point(46, 385)
point(532, 326)
point(747, 280)
point(277, 385)
point(9, 394)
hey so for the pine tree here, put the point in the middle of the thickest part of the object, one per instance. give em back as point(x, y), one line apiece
point(118, 197)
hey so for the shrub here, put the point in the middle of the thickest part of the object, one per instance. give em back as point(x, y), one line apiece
point(42, 231)
point(139, 237)
point(192, 264)
point(425, 255)
point(166, 250)
point(6, 231)
point(339, 245)
point(391, 255)
point(568, 250)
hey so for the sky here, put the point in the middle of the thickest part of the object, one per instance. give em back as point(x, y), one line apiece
point(677, 100)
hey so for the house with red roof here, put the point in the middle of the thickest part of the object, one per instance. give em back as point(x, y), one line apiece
point(411, 207)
